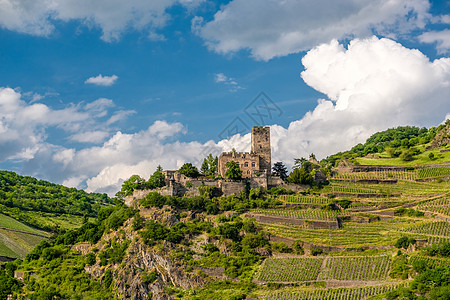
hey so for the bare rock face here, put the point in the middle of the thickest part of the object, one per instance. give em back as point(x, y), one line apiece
point(442, 137)
point(130, 277)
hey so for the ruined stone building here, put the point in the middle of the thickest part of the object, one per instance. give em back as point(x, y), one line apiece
point(255, 163)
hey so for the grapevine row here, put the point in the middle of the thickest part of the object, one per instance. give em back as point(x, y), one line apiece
point(333, 294)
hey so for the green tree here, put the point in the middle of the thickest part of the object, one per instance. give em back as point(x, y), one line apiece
point(157, 179)
point(279, 169)
point(300, 176)
point(233, 171)
point(189, 170)
point(210, 165)
point(135, 182)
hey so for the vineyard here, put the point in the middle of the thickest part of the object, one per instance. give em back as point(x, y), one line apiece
point(377, 175)
point(304, 199)
point(437, 172)
point(358, 293)
point(431, 262)
point(361, 268)
point(352, 190)
point(292, 269)
point(440, 228)
point(302, 214)
point(440, 205)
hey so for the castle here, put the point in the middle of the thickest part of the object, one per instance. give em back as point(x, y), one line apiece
point(255, 163)
point(256, 167)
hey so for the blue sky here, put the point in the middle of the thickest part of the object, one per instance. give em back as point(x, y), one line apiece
point(92, 92)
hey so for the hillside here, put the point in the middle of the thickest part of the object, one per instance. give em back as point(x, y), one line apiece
point(372, 231)
point(31, 210)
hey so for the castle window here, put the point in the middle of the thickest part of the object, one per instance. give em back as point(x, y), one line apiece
point(248, 172)
point(253, 164)
point(246, 164)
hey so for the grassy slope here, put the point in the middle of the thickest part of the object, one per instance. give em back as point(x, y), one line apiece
point(421, 159)
point(16, 238)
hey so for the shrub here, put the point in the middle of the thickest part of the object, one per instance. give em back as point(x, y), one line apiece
point(316, 251)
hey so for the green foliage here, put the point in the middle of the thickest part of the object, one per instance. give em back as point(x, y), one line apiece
point(90, 259)
point(138, 222)
point(8, 284)
point(410, 212)
point(210, 165)
point(157, 179)
point(316, 251)
point(281, 247)
point(189, 170)
point(300, 176)
point(297, 248)
point(390, 140)
point(233, 171)
point(135, 182)
point(404, 242)
point(442, 249)
point(344, 203)
point(279, 169)
point(23, 197)
point(107, 278)
point(113, 254)
point(279, 191)
point(400, 268)
point(208, 191)
point(149, 278)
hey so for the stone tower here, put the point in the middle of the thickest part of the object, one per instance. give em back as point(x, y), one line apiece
point(261, 147)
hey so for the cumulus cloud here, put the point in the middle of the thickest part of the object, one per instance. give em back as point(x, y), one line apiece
point(441, 38)
point(102, 80)
point(23, 126)
point(113, 17)
point(370, 85)
point(270, 28)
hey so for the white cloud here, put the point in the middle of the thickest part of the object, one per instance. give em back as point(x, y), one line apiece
point(371, 85)
point(270, 28)
point(102, 80)
point(90, 136)
point(441, 38)
point(24, 126)
point(113, 17)
point(222, 78)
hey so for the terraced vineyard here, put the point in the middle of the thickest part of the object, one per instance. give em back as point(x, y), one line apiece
point(430, 262)
point(440, 228)
point(377, 175)
point(355, 268)
point(363, 268)
point(440, 206)
point(436, 172)
point(303, 214)
point(291, 269)
point(358, 293)
point(16, 238)
point(304, 199)
point(352, 190)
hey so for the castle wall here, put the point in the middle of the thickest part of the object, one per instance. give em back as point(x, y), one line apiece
point(248, 163)
point(230, 187)
point(258, 182)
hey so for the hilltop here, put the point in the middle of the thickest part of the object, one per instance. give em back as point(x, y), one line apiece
point(372, 230)
point(32, 210)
